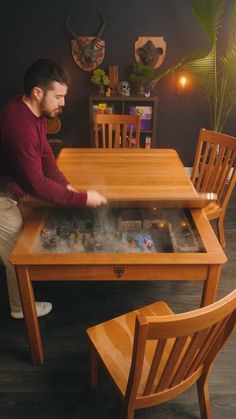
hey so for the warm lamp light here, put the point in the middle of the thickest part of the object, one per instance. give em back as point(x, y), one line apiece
point(182, 84)
point(182, 81)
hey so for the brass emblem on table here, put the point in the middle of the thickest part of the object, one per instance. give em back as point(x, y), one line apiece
point(118, 271)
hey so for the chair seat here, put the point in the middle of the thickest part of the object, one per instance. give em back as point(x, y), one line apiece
point(212, 210)
point(113, 341)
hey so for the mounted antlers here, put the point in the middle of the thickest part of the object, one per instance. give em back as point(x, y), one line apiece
point(101, 30)
point(88, 52)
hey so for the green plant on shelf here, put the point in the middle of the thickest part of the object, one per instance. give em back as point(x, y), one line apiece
point(100, 78)
point(141, 75)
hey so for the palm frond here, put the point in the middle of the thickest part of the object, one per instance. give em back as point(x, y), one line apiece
point(228, 67)
point(209, 14)
point(225, 102)
point(203, 70)
point(232, 28)
point(192, 56)
point(229, 63)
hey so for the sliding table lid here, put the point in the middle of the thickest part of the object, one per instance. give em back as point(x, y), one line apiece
point(132, 176)
point(129, 177)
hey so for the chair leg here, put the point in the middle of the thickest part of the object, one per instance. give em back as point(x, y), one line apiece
point(129, 412)
point(221, 232)
point(204, 398)
point(93, 366)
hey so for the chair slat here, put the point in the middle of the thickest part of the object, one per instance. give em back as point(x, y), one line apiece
point(96, 136)
point(173, 359)
point(196, 342)
point(226, 174)
point(103, 136)
point(124, 136)
point(131, 136)
point(117, 137)
point(216, 170)
point(208, 167)
point(212, 335)
point(201, 167)
point(227, 329)
point(154, 366)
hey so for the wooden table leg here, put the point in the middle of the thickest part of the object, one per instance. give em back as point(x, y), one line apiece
point(30, 315)
point(210, 286)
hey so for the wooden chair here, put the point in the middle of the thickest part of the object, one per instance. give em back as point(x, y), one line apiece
point(214, 171)
point(53, 127)
point(152, 355)
point(117, 131)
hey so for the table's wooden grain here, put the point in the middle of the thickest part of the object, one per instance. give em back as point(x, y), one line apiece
point(127, 174)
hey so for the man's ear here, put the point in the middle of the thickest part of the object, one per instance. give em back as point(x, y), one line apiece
point(37, 93)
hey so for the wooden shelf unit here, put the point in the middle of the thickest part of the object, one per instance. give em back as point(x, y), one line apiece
point(121, 105)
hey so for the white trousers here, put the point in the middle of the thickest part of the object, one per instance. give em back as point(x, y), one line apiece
point(11, 225)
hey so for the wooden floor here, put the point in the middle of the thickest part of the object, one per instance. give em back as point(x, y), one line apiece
point(60, 388)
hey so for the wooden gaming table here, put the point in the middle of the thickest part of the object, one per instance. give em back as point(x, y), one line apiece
point(129, 178)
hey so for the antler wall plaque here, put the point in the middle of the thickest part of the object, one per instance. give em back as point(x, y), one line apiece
point(88, 51)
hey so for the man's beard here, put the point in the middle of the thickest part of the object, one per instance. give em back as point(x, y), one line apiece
point(50, 115)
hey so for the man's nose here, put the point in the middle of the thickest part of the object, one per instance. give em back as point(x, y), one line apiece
point(62, 101)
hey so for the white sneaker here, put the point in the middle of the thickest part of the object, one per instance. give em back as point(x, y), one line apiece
point(41, 308)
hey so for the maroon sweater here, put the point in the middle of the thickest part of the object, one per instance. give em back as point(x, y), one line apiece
point(27, 164)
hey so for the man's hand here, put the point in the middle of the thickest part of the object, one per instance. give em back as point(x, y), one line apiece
point(95, 199)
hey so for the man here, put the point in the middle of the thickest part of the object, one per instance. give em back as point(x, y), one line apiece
point(27, 164)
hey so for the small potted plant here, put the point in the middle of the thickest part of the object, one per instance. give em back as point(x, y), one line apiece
point(100, 78)
point(141, 74)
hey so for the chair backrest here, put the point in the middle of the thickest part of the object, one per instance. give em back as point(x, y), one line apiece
point(117, 131)
point(171, 352)
point(214, 165)
point(53, 125)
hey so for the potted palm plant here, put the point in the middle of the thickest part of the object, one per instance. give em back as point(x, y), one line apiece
point(215, 73)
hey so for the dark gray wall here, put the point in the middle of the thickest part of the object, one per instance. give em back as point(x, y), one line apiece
point(33, 29)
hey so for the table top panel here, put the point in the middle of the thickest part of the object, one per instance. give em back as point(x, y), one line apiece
point(128, 174)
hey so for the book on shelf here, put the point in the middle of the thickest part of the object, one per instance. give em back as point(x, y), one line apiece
point(101, 108)
point(146, 115)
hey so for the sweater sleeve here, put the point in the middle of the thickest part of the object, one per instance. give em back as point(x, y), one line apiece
point(49, 165)
point(35, 168)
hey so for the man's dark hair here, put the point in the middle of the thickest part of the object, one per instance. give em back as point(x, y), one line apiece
point(43, 73)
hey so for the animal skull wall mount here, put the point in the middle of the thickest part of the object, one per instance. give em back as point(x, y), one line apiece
point(150, 50)
point(88, 51)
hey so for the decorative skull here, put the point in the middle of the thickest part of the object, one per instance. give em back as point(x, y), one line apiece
point(124, 88)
